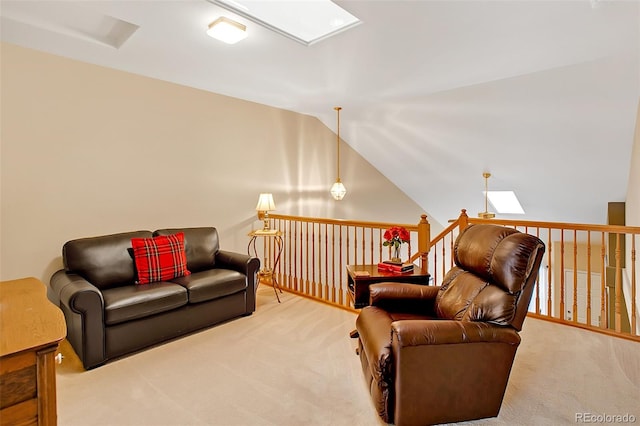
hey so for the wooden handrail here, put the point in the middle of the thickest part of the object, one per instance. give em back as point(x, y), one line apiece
point(453, 225)
point(613, 229)
point(358, 223)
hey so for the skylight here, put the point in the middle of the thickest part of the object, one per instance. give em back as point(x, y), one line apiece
point(305, 21)
point(505, 202)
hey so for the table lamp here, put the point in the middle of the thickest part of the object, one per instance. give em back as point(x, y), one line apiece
point(265, 205)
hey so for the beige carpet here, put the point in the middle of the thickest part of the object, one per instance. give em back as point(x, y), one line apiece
point(294, 364)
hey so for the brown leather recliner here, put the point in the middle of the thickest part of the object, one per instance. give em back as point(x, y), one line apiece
point(443, 354)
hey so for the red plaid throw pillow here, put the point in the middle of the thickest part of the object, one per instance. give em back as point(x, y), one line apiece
point(160, 258)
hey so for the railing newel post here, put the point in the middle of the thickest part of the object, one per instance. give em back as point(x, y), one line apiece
point(463, 220)
point(424, 238)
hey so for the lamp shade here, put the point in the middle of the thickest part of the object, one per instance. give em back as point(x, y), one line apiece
point(265, 203)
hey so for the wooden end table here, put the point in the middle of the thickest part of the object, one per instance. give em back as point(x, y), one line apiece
point(358, 284)
point(31, 327)
point(268, 272)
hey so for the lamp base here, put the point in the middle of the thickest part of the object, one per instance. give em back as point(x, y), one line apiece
point(265, 272)
point(486, 215)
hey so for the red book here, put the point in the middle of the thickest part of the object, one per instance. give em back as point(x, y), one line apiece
point(407, 267)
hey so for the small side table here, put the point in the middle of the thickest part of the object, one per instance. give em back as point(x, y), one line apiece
point(266, 271)
point(360, 277)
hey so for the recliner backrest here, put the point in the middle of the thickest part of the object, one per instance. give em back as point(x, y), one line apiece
point(493, 279)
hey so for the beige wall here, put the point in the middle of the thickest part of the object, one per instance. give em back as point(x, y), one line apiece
point(632, 213)
point(87, 150)
point(633, 190)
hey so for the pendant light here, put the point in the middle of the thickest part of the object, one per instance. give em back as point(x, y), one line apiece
point(338, 191)
point(486, 214)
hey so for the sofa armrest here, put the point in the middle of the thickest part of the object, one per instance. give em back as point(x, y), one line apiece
point(83, 307)
point(242, 263)
point(402, 297)
point(246, 265)
point(446, 332)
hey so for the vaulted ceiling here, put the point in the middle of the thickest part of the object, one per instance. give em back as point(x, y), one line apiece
point(542, 94)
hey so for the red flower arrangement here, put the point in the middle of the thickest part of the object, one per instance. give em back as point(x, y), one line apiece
point(395, 236)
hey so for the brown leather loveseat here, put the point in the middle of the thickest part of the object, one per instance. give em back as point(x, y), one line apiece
point(109, 315)
point(443, 354)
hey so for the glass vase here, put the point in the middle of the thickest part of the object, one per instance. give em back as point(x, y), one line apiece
point(395, 254)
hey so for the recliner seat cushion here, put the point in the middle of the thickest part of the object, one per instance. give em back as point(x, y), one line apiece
point(212, 284)
point(132, 302)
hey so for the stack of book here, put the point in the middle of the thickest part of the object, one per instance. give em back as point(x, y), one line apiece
point(395, 267)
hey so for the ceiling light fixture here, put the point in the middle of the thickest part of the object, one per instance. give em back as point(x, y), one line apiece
point(227, 30)
point(338, 191)
point(486, 214)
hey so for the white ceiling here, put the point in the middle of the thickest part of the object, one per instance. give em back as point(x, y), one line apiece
point(542, 94)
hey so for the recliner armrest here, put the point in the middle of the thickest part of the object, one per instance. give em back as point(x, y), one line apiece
point(446, 332)
point(403, 297)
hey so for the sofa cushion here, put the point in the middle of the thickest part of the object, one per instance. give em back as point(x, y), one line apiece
point(160, 258)
point(212, 284)
point(132, 302)
point(104, 261)
point(201, 245)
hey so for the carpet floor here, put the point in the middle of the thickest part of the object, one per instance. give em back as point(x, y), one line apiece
point(293, 363)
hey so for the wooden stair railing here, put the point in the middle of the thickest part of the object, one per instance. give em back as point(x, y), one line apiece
point(317, 251)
